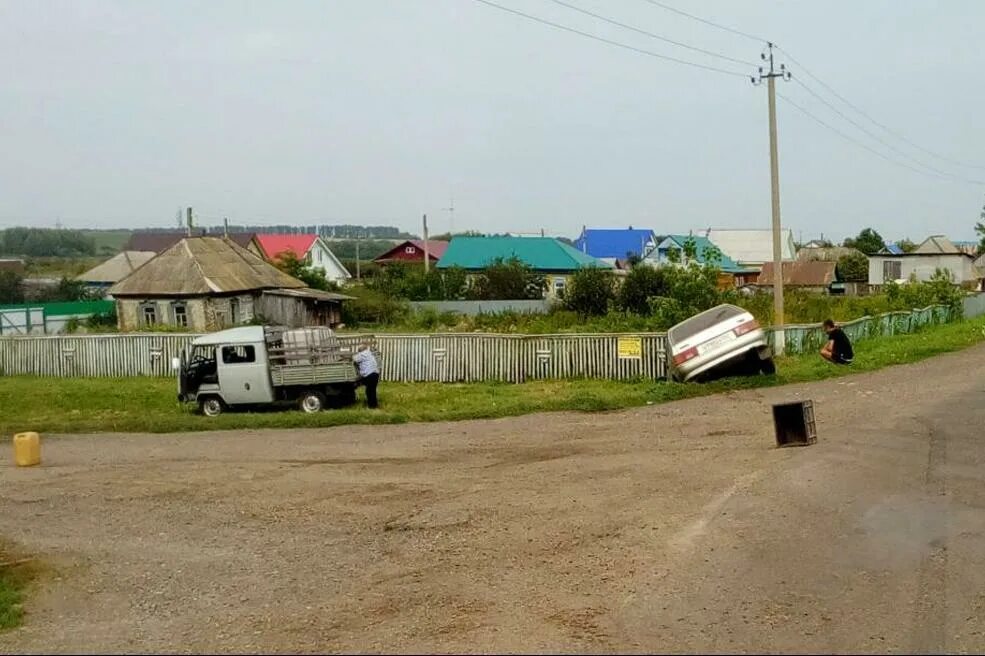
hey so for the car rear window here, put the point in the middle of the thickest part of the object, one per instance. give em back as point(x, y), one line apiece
point(703, 321)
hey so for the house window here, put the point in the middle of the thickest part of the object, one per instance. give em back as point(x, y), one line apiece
point(892, 270)
point(410, 250)
point(559, 284)
point(148, 313)
point(180, 312)
point(244, 354)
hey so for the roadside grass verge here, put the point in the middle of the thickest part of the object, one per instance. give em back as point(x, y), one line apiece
point(14, 579)
point(81, 405)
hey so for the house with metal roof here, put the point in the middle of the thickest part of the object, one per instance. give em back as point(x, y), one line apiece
point(309, 248)
point(103, 276)
point(412, 251)
point(209, 283)
point(751, 248)
point(159, 241)
point(673, 250)
point(806, 275)
point(546, 255)
point(614, 244)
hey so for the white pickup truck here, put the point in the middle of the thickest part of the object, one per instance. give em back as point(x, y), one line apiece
point(257, 365)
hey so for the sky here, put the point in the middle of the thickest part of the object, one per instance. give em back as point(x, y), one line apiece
point(116, 114)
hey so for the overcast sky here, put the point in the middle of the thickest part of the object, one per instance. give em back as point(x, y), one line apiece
point(114, 114)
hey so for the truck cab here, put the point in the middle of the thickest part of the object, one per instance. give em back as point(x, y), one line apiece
point(257, 365)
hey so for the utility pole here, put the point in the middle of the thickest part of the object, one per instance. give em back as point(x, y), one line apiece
point(770, 76)
point(359, 237)
point(225, 226)
point(189, 222)
point(427, 255)
point(180, 219)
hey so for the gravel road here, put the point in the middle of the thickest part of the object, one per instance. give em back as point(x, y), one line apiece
point(669, 528)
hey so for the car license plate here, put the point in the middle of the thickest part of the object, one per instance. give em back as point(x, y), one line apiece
point(716, 343)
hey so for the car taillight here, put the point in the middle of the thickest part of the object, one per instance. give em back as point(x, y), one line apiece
point(684, 356)
point(747, 327)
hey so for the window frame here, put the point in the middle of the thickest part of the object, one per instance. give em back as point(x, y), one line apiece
point(152, 307)
point(249, 354)
point(175, 307)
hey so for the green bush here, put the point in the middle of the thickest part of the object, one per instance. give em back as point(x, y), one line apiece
point(640, 285)
point(590, 292)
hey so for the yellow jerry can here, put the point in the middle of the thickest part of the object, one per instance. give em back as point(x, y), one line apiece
point(27, 449)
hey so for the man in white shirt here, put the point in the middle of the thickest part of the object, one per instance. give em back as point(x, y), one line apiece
point(369, 372)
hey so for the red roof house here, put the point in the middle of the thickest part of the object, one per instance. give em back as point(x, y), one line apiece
point(306, 247)
point(413, 251)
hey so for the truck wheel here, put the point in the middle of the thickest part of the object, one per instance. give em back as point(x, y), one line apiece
point(211, 406)
point(767, 366)
point(312, 401)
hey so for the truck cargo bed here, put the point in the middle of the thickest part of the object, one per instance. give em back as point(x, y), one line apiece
point(313, 374)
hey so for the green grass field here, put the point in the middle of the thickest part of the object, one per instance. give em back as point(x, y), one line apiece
point(59, 405)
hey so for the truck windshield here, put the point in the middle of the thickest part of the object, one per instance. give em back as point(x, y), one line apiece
point(702, 322)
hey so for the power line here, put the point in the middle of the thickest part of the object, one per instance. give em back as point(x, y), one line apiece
point(651, 34)
point(609, 41)
point(707, 22)
point(866, 146)
point(872, 120)
point(877, 137)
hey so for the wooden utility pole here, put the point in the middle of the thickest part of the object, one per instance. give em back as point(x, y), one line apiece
point(427, 255)
point(225, 227)
point(189, 221)
point(770, 77)
point(358, 271)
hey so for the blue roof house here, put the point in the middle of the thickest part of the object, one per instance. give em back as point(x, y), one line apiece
point(611, 244)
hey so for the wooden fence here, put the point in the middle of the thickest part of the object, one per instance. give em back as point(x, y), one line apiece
point(439, 357)
point(448, 357)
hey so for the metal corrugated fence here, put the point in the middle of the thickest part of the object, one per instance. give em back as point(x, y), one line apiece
point(439, 357)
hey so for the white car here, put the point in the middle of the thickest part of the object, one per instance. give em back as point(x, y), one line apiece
point(718, 339)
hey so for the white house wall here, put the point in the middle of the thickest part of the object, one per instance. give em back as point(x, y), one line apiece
point(323, 258)
point(923, 267)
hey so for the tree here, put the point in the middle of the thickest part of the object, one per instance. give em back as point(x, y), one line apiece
point(507, 280)
point(67, 290)
point(691, 289)
point(853, 268)
point(590, 292)
point(311, 276)
point(980, 231)
point(868, 241)
point(641, 284)
point(906, 245)
point(11, 287)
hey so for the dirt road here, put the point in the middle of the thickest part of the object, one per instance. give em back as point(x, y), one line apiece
point(670, 528)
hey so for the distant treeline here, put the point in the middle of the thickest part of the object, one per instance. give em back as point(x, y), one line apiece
point(327, 231)
point(45, 242)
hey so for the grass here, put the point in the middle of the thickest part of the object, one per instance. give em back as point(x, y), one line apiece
point(64, 405)
point(14, 579)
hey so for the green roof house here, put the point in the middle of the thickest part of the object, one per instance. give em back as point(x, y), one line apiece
point(546, 255)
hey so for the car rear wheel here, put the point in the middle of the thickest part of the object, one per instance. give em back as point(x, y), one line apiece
point(312, 401)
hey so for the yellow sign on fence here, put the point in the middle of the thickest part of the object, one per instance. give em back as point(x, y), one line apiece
point(630, 348)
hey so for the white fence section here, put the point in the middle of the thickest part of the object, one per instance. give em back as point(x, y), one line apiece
point(439, 357)
point(451, 357)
